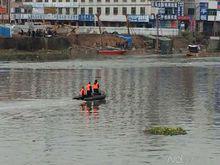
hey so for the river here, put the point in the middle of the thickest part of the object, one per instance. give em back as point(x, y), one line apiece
point(40, 123)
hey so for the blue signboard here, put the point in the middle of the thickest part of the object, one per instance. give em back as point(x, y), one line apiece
point(138, 18)
point(203, 11)
point(86, 17)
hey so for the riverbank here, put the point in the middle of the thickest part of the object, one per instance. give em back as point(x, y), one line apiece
point(74, 46)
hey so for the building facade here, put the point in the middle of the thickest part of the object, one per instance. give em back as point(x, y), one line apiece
point(140, 13)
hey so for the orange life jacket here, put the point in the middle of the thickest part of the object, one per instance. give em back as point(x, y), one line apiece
point(96, 86)
point(83, 92)
point(88, 87)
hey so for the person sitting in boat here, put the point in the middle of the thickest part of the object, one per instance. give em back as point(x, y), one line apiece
point(83, 92)
point(96, 87)
point(89, 89)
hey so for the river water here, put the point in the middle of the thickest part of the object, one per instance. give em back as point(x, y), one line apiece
point(40, 124)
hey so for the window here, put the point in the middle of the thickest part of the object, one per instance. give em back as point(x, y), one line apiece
point(74, 0)
point(75, 11)
point(115, 0)
point(60, 1)
point(67, 0)
point(59, 10)
point(142, 10)
point(17, 10)
point(107, 1)
point(133, 0)
point(30, 0)
point(67, 11)
point(191, 11)
point(124, 0)
point(39, 0)
point(99, 10)
point(45, 0)
point(18, 0)
point(99, 1)
point(53, 0)
point(212, 12)
point(133, 10)
point(90, 10)
point(82, 1)
point(124, 10)
point(115, 11)
point(90, 0)
point(83, 10)
point(142, 0)
point(107, 11)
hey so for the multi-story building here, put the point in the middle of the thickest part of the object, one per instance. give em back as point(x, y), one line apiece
point(82, 12)
point(206, 13)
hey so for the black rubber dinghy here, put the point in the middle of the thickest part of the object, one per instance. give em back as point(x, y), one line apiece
point(100, 96)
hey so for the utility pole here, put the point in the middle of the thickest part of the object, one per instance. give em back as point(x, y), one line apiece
point(100, 30)
point(128, 24)
point(157, 36)
point(9, 10)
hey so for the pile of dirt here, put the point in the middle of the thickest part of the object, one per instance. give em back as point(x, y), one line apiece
point(96, 40)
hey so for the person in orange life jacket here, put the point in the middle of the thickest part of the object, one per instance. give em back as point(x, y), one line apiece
point(89, 89)
point(96, 87)
point(83, 92)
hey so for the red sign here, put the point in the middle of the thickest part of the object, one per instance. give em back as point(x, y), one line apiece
point(183, 18)
point(3, 10)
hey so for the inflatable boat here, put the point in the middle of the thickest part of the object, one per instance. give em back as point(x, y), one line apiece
point(100, 96)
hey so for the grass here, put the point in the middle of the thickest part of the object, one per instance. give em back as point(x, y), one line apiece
point(161, 130)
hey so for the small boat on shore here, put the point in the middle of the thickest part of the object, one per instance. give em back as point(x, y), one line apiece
point(111, 51)
point(100, 96)
point(193, 50)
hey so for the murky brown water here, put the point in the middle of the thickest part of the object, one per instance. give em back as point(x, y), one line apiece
point(40, 124)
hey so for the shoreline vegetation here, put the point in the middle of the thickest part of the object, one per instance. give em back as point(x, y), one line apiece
point(72, 46)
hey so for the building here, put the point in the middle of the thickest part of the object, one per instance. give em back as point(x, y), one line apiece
point(206, 13)
point(82, 12)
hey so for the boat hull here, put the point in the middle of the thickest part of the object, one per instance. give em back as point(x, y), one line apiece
point(112, 52)
point(92, 98)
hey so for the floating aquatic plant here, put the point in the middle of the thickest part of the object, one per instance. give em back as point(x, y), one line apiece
point(160, 130)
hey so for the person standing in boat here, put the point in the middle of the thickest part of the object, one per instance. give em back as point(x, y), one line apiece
point(96, 87)
point(89, 89)
point(83, 92)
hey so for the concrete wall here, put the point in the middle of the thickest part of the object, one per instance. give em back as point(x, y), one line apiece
point(137, 31)
point(33, 44)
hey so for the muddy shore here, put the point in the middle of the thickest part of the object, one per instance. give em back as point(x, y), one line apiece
point(23, 48)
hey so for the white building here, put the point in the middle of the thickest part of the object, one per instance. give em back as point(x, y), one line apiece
point(82, 12)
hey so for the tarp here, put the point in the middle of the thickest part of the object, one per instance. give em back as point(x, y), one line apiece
point(5, 32)
point(127, 38)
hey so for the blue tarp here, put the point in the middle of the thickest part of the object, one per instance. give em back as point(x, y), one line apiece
point(127, 38)
point(5, 32)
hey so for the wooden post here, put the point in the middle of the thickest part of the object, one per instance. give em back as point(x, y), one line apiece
point(157, 37)
point(128, 24)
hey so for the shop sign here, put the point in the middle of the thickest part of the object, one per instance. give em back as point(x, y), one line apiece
point(164, 4)
point(168, 17)
point(86, 17)
point(203, 11)
point(3, 10)
point(138, 18)
point(58, 17)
